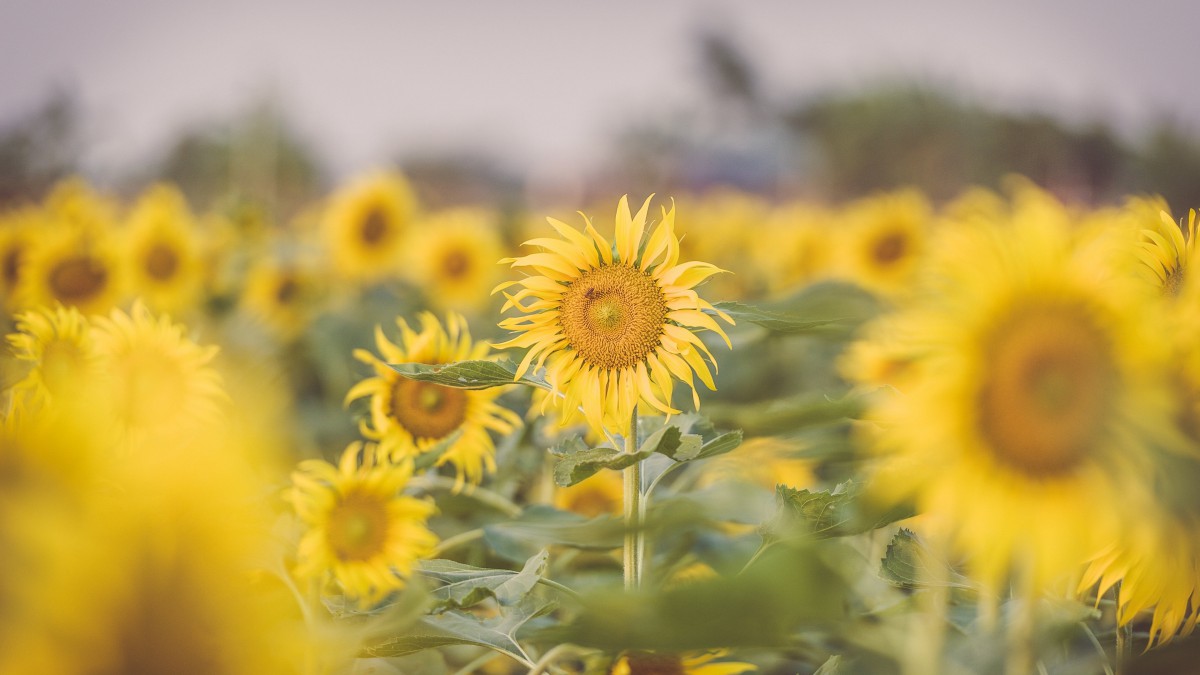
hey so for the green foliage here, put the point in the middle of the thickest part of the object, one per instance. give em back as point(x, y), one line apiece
point(909, 563)
point(465, 585)
point(469, 374)
point(839, 512)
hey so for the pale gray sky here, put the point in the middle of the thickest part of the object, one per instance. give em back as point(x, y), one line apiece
point(543, 83)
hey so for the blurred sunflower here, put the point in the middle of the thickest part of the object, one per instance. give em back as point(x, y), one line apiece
point(719, 228)
point(366, 226)
point(360, 529)
point(1030, 409)
point(74, 267)
point(57, 344)
point(409, 417)
point(18, 234)
point(798, 248)
point(1166, 249)
point(613, 325)
point(156, 383)
point(885, 238)
point(453, 257)
point(76, 204)
point(601, 494)
point(691, 663)
point(162, 253)
point(282, 294)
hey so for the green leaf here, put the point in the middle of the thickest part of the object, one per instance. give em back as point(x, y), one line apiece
point(540, 526)
point(829, 310)
point(469, 374)
point(579, 466)
point(908, 563)
point(720, 445)
point(835, 513)
point(465, 585)
point(787, 415)
point(456, 627)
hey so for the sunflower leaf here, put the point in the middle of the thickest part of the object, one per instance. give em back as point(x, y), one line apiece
point(465, 585)
point(541, 526)
point(456, 627)
point(578, 466)
point(833, 513)
point(720, 445)
point(908, 563)
point(480, 374)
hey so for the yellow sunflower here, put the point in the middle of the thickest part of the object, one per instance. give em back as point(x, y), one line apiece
point(613, 323)
point(409, 417)
point(155, 383)
point(366, 226)
point(1035, 391)
point(797, 248)
point(1165, 248)
point(359, 527)
point(283, 295)
point(74, 266)
point(690, 663)
point(57, 344)
point(884, 239)
point(453, 257)
point(18, 234)
point(599, 495)
point(162, 254)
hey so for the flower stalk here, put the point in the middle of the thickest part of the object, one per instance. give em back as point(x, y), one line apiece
point(634, 537)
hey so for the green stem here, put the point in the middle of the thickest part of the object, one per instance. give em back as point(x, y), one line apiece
point(456, 541)
point(1124, 647)
point(1021, 658)
point(633, 511)
point(543, 664)
point(476, 664)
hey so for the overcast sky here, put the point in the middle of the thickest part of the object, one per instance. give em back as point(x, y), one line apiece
point(544, 83)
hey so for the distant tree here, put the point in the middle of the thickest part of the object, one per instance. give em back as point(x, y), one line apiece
point(38, 149)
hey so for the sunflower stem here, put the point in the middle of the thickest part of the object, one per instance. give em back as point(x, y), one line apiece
point(1021, 629)
point(634, 538)
point(1124, 647)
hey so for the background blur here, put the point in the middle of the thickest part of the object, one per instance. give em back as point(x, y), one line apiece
point(559, 102)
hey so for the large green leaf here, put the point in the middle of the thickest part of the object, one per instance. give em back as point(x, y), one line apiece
point(465, 585)
point(540, 526)
point(577, 462)
point(469, 374)
point(909, 563)
point(456, 627)
point(822, 514)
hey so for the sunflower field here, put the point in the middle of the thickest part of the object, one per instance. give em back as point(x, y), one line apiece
point(651, 435)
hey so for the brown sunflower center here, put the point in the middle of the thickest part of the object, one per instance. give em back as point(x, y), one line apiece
point(427, 411)
point(287, 290)
point(889, 248)
point(1175, 278)
point(10, 266)
point(648, 663)
point(374, 226)
point(456, 264)
point(613, 316)
point(1047, 392)
point(161, 262)
point(77, 279)
point(358, 527)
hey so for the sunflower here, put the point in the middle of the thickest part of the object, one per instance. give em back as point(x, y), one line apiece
point(409, 417)
point(360, 528)
point(57, 344)
point(690, 663)
point(1034, 393)
point(162, 254)
point(77, 204)
point(156, 383)
point(797, 248)
point(18, 234)
point(282, 294)
point(75, 266)
point(1165, 248)
point(366, 226)
point(599, 495)
point(719, 229)
point(612, 325)
point(884, 240)
point(453, 257)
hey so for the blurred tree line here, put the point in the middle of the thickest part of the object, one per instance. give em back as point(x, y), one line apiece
point(834, 145)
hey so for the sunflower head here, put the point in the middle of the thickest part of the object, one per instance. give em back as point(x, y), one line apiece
point(162, 255)
point(283, 295)
point(453, 256)
point(409, 417)
point(885, 238)
point(1164, 246)
point(73, 266)
point(360, 529)
point(57, 345)
point(18, 234)
point(613, 323)
point(366, 226)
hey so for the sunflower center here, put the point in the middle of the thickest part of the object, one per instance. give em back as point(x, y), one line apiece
point(1174, 281)
point(613, 316)
point(77, 279)
point(890, 248)
point(647, 663)
point(161, 262)
point(10, 267)
point(426, 410)
point(1047, 391)
point(286, 291)
point(357, 527)
point(456, 264)
point(374, 226)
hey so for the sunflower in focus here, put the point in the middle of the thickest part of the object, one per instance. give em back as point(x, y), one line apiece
point(366, 226)
point(409, 417)
point(162, 254)
point(692, 663)
point(885, 238)
point(57, 345)
point(1166, 249)
point(74, 266)
point(613, 324)
point(360, 528)
point(155, 384)
point(1035, 394)
point(453, 257)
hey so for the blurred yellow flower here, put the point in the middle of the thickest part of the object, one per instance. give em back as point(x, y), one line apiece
point(409, 417)
point(613, 323)
point(360, 528)
point(18, 233)
point(58, 347)
point(74, 266)
point(366, 226)
point(884, 238)
point(162, 252)
point(599, 495)
point(452, 256)
point(689, 663)
point(1166, 250)
point(1035, 391)
point(283, 295)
